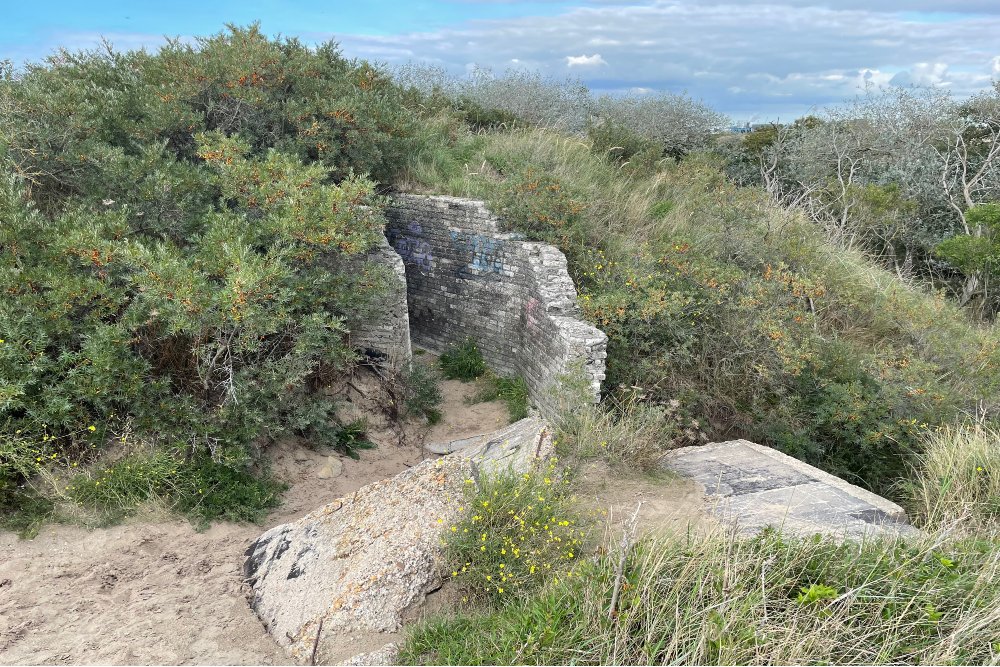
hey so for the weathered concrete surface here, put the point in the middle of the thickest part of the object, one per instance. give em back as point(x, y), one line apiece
point(467, 278)
point(754, 486)
point(381, 331)
point(452, 446)
point(357, 565)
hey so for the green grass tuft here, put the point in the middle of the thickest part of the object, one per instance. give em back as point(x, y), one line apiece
point(512, 390)
point(463, 362)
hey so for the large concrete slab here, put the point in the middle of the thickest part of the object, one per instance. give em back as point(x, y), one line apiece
point(753, 486)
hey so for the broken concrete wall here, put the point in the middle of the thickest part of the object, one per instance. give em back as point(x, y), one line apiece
point(381, 331)
point(466, 278)
point(349, 571)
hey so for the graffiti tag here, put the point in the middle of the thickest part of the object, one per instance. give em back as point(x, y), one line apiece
point(413, 248)
point(488, 254)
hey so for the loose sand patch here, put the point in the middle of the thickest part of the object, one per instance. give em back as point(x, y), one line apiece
point(158, 592)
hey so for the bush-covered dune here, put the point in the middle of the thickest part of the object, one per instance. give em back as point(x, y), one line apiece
point(168, 310)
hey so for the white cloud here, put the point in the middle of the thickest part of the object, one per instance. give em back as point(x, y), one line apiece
point(762, 58)
point(585, 61)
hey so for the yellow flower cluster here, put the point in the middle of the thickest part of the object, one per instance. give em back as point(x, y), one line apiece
point(515, 533)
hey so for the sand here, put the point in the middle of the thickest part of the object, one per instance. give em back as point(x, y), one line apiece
point(156, 591)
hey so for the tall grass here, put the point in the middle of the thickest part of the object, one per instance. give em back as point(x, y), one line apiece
point(719, 599)
point(958, 480)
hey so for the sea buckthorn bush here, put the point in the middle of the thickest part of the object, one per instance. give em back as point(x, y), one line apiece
point(515, 533)
point(173, 224)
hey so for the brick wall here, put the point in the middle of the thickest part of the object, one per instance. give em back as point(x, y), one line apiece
point(515, 298)
point(383, 331)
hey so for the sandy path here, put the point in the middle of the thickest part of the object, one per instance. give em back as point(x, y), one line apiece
point(155, 593)
point(162, 593)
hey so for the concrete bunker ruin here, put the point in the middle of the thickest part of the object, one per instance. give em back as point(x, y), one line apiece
point(465, 278)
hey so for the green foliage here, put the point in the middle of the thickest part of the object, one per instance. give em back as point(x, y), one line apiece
point(512, 390)
point(515, 533)
point(978, 252)
point(740, 311)
point(422, 391)
point(660, 209)
point(353, 437)
point(208, 491)
point(23, 510)
point(172, 229)
point(720, 599)
point(756, 142)
point(814, 593)
point(628, 430)
point(619, 144)
point(200, 488)
point(463, 361)
point(479, 117)
point(534, 202)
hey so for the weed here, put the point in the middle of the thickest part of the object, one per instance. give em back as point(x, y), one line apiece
point(422, 391)
point(463, 362)
point(512, 390)
point(515, 532)
point(352, 438)
point(24, 511)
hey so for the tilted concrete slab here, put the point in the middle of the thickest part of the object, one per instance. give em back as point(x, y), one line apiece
point(753, 486)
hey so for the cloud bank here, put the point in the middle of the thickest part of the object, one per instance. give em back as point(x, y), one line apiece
point(752, 60)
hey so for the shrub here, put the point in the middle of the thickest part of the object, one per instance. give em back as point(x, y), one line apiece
point(619, 144)
point(533, 202)
point(463, 361)
point(170, 224)
point(515, 532)
point(423, 392)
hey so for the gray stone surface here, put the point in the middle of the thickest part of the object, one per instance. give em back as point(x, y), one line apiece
point(355, 566)
point(453, 446)
point(466, 278)
point(383, 331)
point(754, 486)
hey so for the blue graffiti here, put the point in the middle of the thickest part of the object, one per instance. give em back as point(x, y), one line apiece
point(487, 254)
point(413, 249)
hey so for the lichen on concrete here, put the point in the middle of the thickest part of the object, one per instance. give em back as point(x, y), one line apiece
point(358, 564)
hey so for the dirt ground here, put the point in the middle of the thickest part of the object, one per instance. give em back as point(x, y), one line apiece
point(156, 591)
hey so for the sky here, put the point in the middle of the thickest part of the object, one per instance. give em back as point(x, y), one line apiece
point(755, 60)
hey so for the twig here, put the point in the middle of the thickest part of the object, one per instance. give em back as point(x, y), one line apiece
point(319, 631)
point(627, 536)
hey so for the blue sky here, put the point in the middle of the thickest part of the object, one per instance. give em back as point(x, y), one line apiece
point(753, 59)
